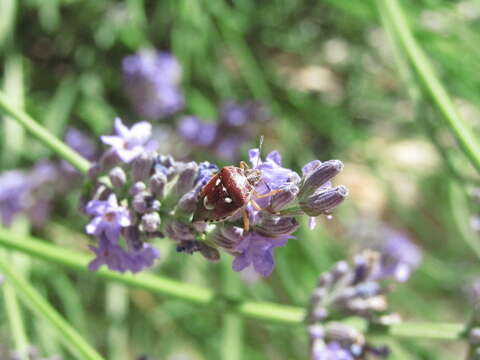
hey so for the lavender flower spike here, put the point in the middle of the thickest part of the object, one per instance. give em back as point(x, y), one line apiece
point(109, 218)
point(128, 144)
point(160, 196)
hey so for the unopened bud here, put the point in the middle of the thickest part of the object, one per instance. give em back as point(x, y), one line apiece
point(186, 178)
point(284, 197)
point(117, 177)
point(137, 188)
point(142, 167)
point(274, 225)
point(151, 222)
point(323, 201)
point(157, 184)
point(318, 175)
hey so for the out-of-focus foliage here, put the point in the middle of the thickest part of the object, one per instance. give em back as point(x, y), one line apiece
point(329, 77)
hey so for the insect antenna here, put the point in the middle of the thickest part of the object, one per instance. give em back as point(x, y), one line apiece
point(260, 146)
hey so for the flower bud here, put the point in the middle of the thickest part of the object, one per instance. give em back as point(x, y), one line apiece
point(227, 237)
point(165, 165)
point(137, 188)
point(188, 246)
point(343, 333)
point(325, 280)
point(319, 313)
point(188, 202)
point(151, 222)
point(209, 253)
point(368, 289)
point(339, 270)
point(318, 295)
point(108, 160)
point(157, 184)
point(474, 336)
point(142, 167)
point(274, 225)
point(117, 176)
point(186, 178)
point(144, 202)
point(323, 201)
point(284, 197)
point(180, 231)
point(316, 331)
point(318, 174)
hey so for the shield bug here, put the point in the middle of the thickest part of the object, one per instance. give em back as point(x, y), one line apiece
point(229, 191)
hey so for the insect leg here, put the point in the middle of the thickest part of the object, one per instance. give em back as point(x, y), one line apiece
point(243, 165)
point(259, 208)
point(272, 192)
point(246, 220)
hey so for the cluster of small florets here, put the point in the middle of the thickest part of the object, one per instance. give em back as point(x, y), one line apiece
point(348, 291)
point(28, 192)
point(138, 194)
point(31, 193)
point(399, 255)
point(152, 83)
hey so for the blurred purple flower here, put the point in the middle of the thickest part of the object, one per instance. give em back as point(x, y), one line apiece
point(130, 143)
point(109, 218)
point(14, 194)
point(196, 131)
point(237, 124)
point(28, 192)
point(399, 256)
point(151, 80)
point(81, 143)
point(332, 351)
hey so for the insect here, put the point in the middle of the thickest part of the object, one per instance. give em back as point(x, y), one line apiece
point(229, 191)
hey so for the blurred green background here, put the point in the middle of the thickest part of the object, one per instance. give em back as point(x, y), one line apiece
point(329, 75)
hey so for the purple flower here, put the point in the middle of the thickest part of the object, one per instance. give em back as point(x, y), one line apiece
point(257, 250)
point(237, 124)
point(274, 176)
point(130, 143)
point(118, 259)
point(333, 351)
point(14, 194)
point(399, 256)
point(151, 82)
point(109, 218)
point(81, 143)
point(196, 131)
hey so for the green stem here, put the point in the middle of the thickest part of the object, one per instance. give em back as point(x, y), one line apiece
point(15, 321)
point(440, 331)
point(37, 304)
point(233, 324)
point(267, 311)
point(43, 134)
point(430, 81)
